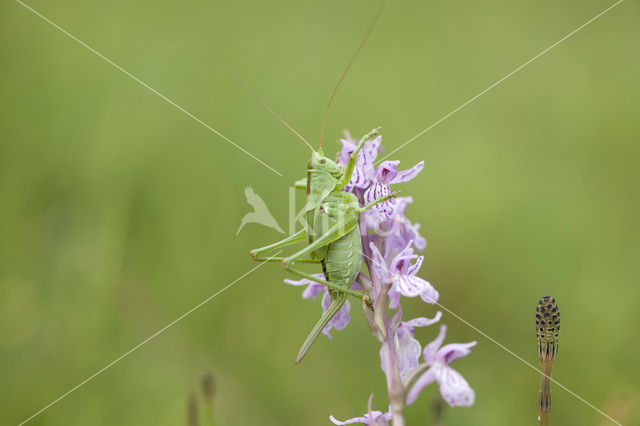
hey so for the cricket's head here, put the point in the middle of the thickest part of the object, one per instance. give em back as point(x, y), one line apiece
point(320, 162)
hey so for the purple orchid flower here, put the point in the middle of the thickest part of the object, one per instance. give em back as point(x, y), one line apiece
point(401, 273)
point(401, 231)
point(392, 235)
point(342, 318)
point(385, 229)
point(408, 348)
point(453, 387)
point(372, 418)
point(386, 174)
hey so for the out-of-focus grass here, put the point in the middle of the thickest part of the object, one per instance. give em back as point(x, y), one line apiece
point(118, 212)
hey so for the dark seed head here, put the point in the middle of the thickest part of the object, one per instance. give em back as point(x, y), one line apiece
point(547, 326)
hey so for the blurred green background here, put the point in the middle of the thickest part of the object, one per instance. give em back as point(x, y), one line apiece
point(118, 212)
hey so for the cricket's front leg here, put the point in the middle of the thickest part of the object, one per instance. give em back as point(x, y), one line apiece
point(344, 181)
point(377, 201)
point(298, 236)
point(281, 258)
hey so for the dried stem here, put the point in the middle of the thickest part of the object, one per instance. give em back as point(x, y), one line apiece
point(385, 331)
point(395, 388)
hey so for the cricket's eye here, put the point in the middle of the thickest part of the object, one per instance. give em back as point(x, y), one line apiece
point(322, 160)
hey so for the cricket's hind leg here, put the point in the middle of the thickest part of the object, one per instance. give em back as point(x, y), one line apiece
point(333, 286)
point(331, 312)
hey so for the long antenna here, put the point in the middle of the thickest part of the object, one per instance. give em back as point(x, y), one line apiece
point(265, 106)
point(355, 55)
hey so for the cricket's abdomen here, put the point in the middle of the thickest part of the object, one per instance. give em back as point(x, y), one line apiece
point(343, 259)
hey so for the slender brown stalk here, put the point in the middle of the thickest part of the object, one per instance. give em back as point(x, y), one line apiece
point(544, 405)
point(208, 385)
point(193, 415)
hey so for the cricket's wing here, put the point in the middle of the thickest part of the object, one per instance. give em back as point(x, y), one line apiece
point(321, 185)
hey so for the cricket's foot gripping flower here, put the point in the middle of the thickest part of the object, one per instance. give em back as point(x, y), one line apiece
point(407, 347)
point(401, 273)
point(453, 387)
point(342, 318)
point(364, 160)
point(386, 174)
point(372, 418)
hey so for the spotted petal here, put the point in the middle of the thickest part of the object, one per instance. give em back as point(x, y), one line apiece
point(410, 286)
point(387, 171)
point(402, 260)
point(407, 175)
point(413, 269)
point(408, 351)
point(452, 351)
point(371, 150)
point(385, 209)
point(424, 322)
point(429, 294)
point(430, 351)
point(453, 387)
point(378, 265)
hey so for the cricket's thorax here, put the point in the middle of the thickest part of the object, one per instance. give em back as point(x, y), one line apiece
point(323, 175)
